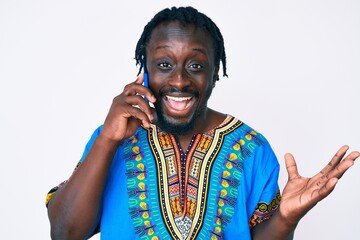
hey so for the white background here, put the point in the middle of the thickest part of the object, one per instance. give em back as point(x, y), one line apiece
point(294, 72)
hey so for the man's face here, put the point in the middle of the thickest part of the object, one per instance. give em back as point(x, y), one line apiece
point(182, 71)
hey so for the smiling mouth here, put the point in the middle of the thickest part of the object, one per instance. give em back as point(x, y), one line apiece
point(179, 103)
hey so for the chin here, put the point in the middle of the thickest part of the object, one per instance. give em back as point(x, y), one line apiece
point(174, 125)
point(178, 125)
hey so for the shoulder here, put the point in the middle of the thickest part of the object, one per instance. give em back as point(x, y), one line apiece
point(245, 131)
point(98, 130)
point(250, 143)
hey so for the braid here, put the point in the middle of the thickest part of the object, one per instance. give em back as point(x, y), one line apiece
point(185, 15)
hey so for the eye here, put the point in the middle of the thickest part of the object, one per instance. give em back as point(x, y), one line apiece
point(164, 65)
point(195, 66)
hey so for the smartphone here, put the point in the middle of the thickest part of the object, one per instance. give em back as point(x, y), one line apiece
point(146, 79)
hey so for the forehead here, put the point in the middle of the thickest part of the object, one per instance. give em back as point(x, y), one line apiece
point(175, 31)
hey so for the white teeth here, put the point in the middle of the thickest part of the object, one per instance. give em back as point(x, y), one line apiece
point(179, 99)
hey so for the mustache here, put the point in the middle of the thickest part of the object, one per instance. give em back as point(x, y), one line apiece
point(166, 91)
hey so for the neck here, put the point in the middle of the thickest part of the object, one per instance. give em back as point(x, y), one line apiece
point(210, 119)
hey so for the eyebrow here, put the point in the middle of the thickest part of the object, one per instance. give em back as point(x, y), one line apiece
point(162, 46)
point(201, 50)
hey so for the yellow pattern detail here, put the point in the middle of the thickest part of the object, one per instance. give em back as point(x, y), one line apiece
point(150, 231)
point(48, 197)
point(136, 150)
point(142, 187)
point(141, 176)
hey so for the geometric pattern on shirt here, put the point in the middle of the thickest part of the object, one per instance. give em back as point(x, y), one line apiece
point(138, 190)
point(229, 179)
point(264, 211)
point(140, 209)
point(184, 218)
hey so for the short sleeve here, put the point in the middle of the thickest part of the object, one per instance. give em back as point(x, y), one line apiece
point(269, 198)
point(88, 146)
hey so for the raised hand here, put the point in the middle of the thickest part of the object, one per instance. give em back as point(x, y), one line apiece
point(301, 194)
point(128, 111)
point(75, 209)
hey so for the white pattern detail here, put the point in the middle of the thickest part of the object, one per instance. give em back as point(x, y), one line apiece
point(184, 226)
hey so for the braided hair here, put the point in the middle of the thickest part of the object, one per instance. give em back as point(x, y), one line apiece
point(185, 15)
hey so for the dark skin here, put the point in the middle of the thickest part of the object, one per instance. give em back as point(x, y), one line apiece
point(178, 57)
point(183, 59)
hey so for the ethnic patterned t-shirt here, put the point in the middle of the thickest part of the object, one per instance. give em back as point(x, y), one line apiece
point(219, 188)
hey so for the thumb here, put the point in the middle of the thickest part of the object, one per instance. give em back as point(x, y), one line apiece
point(291, 166)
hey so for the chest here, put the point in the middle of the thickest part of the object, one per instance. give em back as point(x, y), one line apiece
point(175, 194)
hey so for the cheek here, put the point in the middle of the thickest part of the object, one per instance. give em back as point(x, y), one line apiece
point(207, 85)
point(154, 81)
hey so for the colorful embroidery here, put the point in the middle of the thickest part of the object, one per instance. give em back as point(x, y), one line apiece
point(195, 198)
point(184, 185)
point(138, 190)
point(264, 210)
point(229, 180)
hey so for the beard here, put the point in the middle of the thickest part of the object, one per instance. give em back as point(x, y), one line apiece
point(172, 125)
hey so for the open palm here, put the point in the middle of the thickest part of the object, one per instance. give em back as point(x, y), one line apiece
point(301, 194)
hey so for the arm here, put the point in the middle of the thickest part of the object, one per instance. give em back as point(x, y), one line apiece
point(75, 209)
point(274, 228)
point(302, 194)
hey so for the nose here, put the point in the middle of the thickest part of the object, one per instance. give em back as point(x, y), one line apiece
point(179, 79)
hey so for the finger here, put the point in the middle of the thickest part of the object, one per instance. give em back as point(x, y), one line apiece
point(138, 81)
point(140, 78)
point(291, 166)
point(139, 102)
point(139, 115)
point(335, 160)
point(344, 165)
point(136, 88)
point(325, 190)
